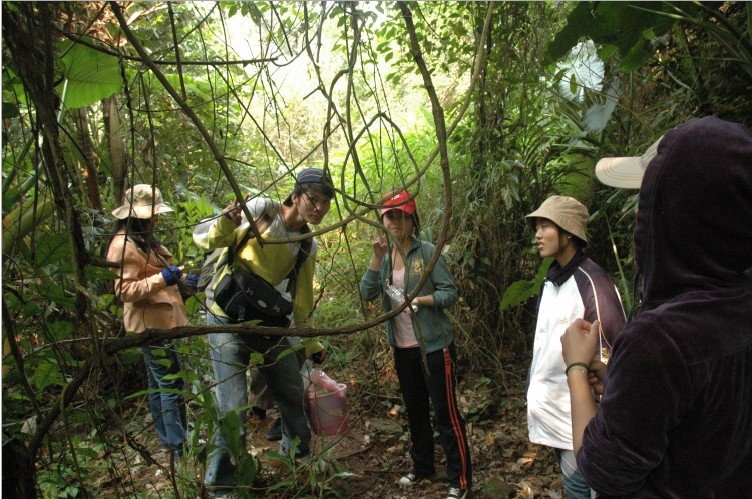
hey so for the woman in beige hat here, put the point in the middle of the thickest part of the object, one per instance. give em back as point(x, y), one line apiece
point(575, 287)
point(147, 288)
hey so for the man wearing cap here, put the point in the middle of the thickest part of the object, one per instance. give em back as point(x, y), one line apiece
point(575, 287)
point(675, 418)
point(278, 265)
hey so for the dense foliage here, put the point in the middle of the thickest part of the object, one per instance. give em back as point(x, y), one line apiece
point(482, 109)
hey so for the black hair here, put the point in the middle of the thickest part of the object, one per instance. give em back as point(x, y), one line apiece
point(579, 243)
point(415, 217)
point(138, 230)
point(416, 221)
point(325, 188)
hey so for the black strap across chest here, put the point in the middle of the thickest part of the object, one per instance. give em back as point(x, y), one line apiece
point(303, 252)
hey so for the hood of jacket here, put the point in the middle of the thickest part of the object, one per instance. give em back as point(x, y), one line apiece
point(694, 220)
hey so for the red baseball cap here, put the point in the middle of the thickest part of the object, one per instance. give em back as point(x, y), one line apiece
point(401, 201)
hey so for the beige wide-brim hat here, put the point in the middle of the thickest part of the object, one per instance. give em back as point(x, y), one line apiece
point(625, 172)
point(566, 212)
point(141, 201)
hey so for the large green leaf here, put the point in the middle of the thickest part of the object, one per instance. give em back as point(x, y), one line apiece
point(521, 291)
point(47, 374)
point(91, 75)
point(60, 330)
point(51, 291)
point(13, 89)
point(630, 27)
point(51, 250)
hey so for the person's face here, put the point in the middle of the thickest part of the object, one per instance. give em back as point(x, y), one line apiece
point(399, 224)
point(547, 238)
point(313, 206)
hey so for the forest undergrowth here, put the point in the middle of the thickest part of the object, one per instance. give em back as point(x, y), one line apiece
point(368, 459)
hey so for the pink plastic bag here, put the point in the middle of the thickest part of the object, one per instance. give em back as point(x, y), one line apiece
point(320, 380)
point(327, 404)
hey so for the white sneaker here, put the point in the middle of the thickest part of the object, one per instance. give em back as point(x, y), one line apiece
point(411, 479)
point(457, 493)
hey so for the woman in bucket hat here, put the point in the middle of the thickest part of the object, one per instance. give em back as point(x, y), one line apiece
point(146, 285)
point(575, 287)
point(421, 340)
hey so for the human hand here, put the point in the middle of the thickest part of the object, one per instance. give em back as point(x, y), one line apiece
point(379, 250)
point(171, 274)
point(596, 373)
point(191, 282)
point(379, 247)
point(579, 342)
point(412, 308)
point(319, 357)
point(233, 212)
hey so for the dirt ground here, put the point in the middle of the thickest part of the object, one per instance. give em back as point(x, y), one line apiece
point(368, 459)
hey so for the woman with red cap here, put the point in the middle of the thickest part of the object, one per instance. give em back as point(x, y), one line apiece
point(421, 339)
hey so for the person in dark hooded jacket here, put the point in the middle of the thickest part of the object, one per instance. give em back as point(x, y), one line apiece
point(675, 418)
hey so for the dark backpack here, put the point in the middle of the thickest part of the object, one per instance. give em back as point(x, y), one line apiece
point(209, 269)
point(215, 259)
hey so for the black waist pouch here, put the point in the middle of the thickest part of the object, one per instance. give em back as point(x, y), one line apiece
point(244, 296)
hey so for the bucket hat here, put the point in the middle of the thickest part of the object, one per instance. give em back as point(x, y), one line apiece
point(310, 176)
point(564, 211)
point(401, 201)
point(141, 201)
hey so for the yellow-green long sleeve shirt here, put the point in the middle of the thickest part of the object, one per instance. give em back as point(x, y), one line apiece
point(272, 262)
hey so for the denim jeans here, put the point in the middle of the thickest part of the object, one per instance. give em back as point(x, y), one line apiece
point(574, 482)
point(436, 389)
point(230, 354)
point(167, 407)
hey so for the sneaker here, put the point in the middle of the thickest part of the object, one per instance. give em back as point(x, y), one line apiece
point(458, 493)
point(275, 432)
point(411, 479)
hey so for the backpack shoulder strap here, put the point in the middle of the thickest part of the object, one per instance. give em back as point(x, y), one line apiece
point(262, 223)
point(303, 253)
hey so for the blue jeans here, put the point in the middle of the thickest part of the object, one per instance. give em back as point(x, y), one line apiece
point(167, 407)
point(230, 354)
point(574, 482)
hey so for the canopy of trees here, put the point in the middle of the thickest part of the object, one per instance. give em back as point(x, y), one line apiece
point(480, 109)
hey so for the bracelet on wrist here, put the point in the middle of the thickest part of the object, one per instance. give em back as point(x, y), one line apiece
point(575, 364)
point(578, 368)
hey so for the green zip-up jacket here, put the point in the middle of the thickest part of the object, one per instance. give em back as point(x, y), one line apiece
point(432, 322)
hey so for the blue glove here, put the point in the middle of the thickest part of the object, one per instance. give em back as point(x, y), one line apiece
point(171, 275)
point(191, 285)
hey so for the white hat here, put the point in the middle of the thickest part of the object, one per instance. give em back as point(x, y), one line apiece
point(625, 172)
point(141, 201)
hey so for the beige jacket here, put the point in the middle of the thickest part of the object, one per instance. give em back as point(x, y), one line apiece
point(148, 301)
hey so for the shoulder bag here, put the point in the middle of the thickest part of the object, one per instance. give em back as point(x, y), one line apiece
point(245, 296)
